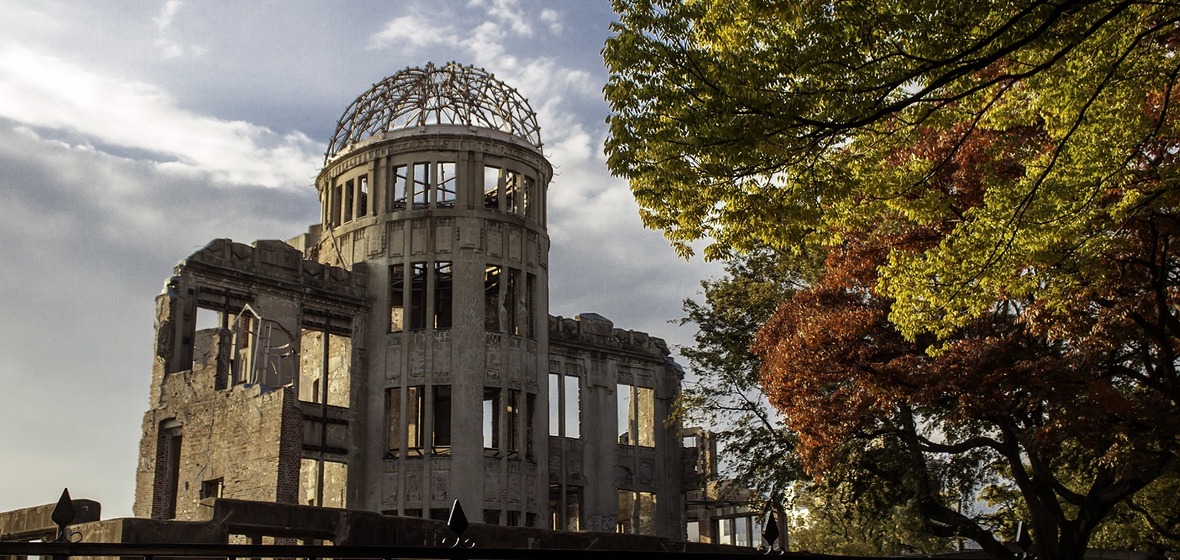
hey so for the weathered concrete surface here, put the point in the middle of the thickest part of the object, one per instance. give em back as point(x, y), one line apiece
point(35, 522)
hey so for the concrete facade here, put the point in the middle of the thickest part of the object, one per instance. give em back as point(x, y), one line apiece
point(443, 376)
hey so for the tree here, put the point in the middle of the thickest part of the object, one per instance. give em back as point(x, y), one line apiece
point(1034, 398)
point(995, 187)
point(861, 509)
point(724, 394)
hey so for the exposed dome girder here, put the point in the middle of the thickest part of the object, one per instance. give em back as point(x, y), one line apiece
point(451, 94)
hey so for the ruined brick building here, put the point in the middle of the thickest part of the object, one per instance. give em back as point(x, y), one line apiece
point(400, 354)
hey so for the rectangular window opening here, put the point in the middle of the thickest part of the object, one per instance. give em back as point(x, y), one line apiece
point(414, 408)
point(554, 404)
point(397, 288)
point(447, 184)
point(491, 188)
point(417, 296)
point(337, 196)
point(323, 483)
point(324, 378)
point(512, 188)
point(421, 178)
point(573, 407)
point(626, 519)
point(491, 290)
point(511, 304)
point(442, 295)
point(442, 419)
point(362, 202)
point(528, 194)
point(212, 488)
point(567, 517)
point(400, 188)
point(512, 420)
point(647, 513)
point(491, 418)
point(347, 217)
point(645, 420)
point(625, 414)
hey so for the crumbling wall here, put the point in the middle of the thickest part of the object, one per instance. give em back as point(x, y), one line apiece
point(230, 441)
point(224, 418)
point(628, 383)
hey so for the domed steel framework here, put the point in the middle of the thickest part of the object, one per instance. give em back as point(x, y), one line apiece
point(452, 94)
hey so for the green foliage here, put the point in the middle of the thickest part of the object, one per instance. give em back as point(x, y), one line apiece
point(994, 186)
point(724, 396)
point(865, 507)
point(853, 511)
point(783, 124)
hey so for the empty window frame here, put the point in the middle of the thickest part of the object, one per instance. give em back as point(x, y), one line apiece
point(417, 296)
point(348, 199)
point(512, 191)
point(636, 415)
point(442, 294)
point(491, 290)
point(565, 406)
point(511, 293)
point(415, 422)
point(362, 200)
point(447, 187)
point(528, 195)
point(491, 418)
point(334, 215)
point(637, 513)
point(421, 181)
point(565, 508)
point(316, 365)
point(323, 483)
point(505, 295)
point(742, 530)
point(693, 531)
point(509, 191)
point(441, 419)
point(212, 488)
point(645, 416)
point(491, 188)
point(397, 295)
point(167, 481)
point(400, 187)
point(512, 416)
point(416, 411)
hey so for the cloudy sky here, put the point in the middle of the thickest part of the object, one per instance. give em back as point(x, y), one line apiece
point(133, 132)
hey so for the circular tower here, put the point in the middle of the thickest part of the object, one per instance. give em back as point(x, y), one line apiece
point(434, 187)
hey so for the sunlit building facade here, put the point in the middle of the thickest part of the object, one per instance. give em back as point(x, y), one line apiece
point(400, 355)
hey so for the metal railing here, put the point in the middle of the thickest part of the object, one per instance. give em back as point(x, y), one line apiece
point(64, 543)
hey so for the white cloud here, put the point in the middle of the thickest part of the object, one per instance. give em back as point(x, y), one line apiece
point(108, 179)
point(43, 91)
point(164, 20)
point(413, 30)
point(553, 19)
point(90, 239)
point(507, 13)
point(168, 44)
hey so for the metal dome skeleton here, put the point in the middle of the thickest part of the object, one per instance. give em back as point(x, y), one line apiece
point(452, 94)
